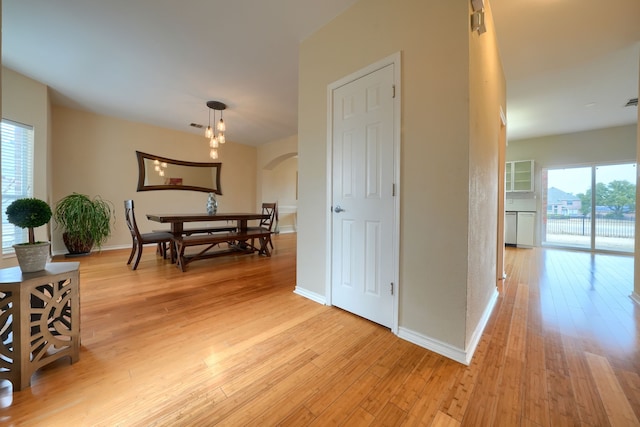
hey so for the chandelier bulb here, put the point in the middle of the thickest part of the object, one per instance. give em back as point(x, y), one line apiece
point(215, 134)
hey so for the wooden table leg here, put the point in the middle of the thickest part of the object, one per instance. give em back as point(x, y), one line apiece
point(177, 228)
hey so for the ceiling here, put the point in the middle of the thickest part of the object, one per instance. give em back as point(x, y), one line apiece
point(570, 65)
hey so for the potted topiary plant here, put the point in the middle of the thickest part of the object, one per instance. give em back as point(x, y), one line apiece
point(30, 213)
point(86, 222)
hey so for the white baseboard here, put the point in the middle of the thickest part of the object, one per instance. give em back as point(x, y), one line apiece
point(320, 299)
point(477, 334)
point(104, 248)
point(635, 297)
point(434, 345)
point(286, 229)
point(447, 350)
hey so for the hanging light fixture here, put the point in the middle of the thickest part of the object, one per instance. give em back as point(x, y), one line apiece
point(216, 137)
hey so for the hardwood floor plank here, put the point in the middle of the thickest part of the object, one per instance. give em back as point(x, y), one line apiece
point(588, 402)
point(359, 418)
point(348, 401)
point(443, 420)
point(456, 404)
point(445, 376)
point(535, 403)
point(630, 383)
point(410, 390)
point(337, 382)
point(289, 396)
point(275, 404)
point(229, 343)
point(407, 357)
point(615, 402)
point(518, 331)
point(390, 415)
point(509, 393)
point(562, 408)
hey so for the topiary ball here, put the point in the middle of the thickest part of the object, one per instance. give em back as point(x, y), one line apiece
point(28, 213)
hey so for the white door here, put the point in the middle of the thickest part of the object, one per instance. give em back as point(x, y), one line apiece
point(363, 200)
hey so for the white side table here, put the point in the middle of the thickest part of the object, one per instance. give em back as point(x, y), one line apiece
point(39, 319)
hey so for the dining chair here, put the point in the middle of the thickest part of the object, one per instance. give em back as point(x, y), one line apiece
point(161, 238)
point(268, 224)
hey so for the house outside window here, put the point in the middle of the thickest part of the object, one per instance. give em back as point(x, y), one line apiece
point(17, 176)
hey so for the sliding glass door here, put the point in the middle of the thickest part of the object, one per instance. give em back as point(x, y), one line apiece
point(615, 214)
point(590, 207)
point(568, 222)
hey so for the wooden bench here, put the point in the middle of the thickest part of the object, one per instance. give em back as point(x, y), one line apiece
point(235, 240)
point(162, 249)
point(205, 230)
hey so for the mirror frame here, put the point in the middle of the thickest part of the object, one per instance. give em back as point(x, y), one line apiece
point(142, 174)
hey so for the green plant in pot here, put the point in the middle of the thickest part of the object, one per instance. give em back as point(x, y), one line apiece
point(86, 222)
point(30, 213)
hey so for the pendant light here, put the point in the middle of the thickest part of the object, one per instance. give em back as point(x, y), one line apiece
point(216, 137)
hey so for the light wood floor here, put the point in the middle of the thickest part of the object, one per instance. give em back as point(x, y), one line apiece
point(229, 343)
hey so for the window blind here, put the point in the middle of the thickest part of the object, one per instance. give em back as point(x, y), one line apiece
point(16, 153)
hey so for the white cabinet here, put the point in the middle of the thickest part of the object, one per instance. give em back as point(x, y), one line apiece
point(510, 227)
point(519, 176)
point(525, 235)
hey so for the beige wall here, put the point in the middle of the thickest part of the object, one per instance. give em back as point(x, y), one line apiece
point(636, 282)
point(279, 184)
point(95, 155)
point(488, 90)
point(436, 152)
point(277, 179)
point(600, 145)
point(82, 152)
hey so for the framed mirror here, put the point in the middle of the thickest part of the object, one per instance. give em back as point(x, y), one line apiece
point(161, 173)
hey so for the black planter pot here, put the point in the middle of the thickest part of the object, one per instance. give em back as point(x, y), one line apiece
point(77, 246)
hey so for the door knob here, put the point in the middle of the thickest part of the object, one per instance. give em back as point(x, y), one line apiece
point(338, 209)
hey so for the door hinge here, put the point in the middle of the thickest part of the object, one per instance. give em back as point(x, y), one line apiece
point(391, 288)
point(394, 90)
point(393, 190)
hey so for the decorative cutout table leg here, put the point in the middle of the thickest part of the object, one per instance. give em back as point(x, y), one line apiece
point(39, 319)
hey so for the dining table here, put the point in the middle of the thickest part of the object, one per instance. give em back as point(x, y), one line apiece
point(177, 220)
point(241, 233)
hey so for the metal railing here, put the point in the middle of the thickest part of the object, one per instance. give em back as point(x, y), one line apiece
point(581, 226)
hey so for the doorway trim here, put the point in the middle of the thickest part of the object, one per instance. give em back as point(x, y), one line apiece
point(395, 60)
